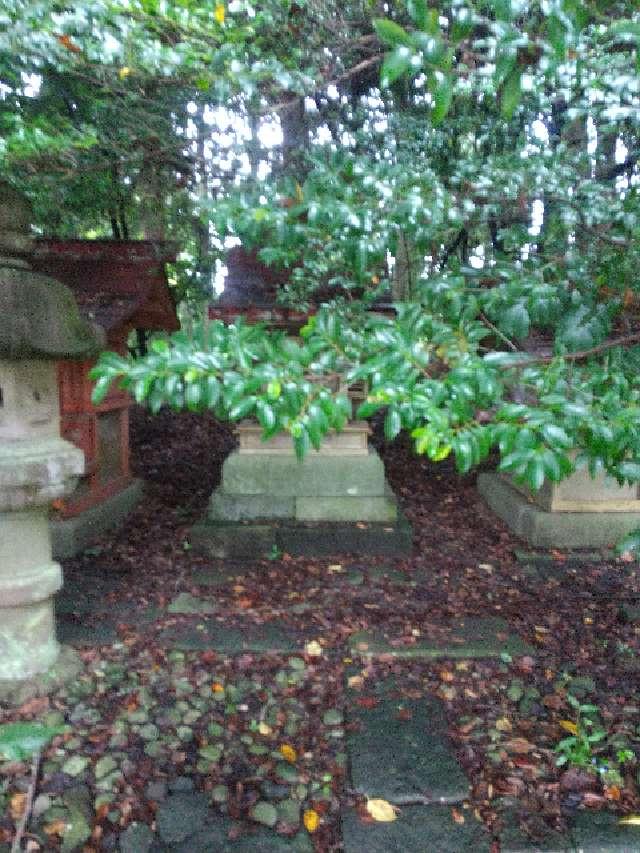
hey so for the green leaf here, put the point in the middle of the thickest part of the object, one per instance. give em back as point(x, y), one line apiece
point(18, 741)
point(391, 33)
point(511, 93)
point(557, 36)
point(101, 389)
point(418, 13)
point(442, 96)
point(395, 65)
point(392, 424)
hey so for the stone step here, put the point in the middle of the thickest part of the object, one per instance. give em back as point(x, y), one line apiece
point(238, 541)
point(315, 476)
point(417, 829)
point(245, 636)
point(589, 832)
point(399, 748)
point(471, 637)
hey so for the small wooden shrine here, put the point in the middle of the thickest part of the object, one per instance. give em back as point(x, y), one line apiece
point(119, 286)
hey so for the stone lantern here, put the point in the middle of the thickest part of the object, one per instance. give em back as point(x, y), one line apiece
point(39, 324)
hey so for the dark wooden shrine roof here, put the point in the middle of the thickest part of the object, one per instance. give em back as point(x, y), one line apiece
point(118, 284)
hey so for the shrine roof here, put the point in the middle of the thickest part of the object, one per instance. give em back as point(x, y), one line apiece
point(118, 284)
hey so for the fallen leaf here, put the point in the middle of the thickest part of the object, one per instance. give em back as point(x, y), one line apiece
point(219, 13)
point(445, 675)
point(457, 816)
point(288, 753)
point(313, 649)
point(265, 729)
point(55, 827)
point(381, 811)
point(630, 820)
point(311, 820)
point(503, 724)
point(569, 726)
point(368, 702)
point(355, 682)
point(17, 804)
point(519, 745)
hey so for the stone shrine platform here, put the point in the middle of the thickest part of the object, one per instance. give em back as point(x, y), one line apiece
point(336, 500)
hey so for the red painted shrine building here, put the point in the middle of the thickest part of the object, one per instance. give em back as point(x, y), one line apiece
point(119, 286)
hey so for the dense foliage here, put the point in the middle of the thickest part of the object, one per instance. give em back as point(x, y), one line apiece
point(473, 162)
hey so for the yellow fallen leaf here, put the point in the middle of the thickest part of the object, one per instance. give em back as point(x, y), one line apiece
point(336, 567)
point(219, 13)
point(313, 649)
point(568, 726)
point(288, 753)
point(381, 811)
point(311, 820)
point(265, 729)
point(124, 72)
point(630, 820)
point(17, 804)
point(355, 682)
point(55, 827)
point(503, 724)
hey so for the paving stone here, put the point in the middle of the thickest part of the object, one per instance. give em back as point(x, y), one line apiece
point(590, 832)
point(388, 573)
point(181, 815)
point(470, 638)
point(392, 756)
point(88, 632)
point(246, 637)
point(334, 538)
point(137, 838)
point(213, 838)
point(216, 578)
point(417, 829)
point(241, 541)
point(186, 603)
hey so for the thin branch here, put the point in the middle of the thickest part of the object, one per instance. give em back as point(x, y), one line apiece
point(580, 354)
point(498, 333)
point(22, 823)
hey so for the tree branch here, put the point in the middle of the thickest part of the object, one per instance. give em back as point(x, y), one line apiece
point(580, 354)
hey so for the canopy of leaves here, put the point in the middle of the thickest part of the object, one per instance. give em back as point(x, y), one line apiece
point(473, 162)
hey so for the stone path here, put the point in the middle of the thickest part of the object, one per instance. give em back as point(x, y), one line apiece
point(396, 751)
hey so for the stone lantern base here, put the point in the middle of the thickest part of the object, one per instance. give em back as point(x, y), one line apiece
point(577, 513)
point(65, 669)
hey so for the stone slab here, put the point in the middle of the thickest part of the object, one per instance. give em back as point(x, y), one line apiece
point(342, 508)
point(393, 756)
point(544, 529)
point(234, 541)
point(285, 476)
point(218, 577)
point(70, 536)
point(469, 638)
point(229, 507)
point(85, 632)
point(589, 832)
point(238, 541)
point(417, 829)
point(334, 538)
point(243, 637)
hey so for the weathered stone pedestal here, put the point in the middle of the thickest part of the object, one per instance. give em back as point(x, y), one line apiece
point(579, 512)
point(39, 323)
point(336, 500)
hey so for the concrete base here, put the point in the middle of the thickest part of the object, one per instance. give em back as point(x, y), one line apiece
point(70, 536)
point(255, 541)
point(544, 529)
point(66, 668)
